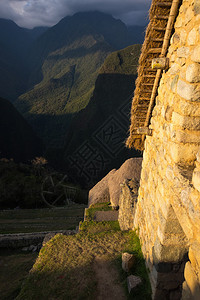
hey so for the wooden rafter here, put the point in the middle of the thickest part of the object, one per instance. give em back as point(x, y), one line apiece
point(162, 17)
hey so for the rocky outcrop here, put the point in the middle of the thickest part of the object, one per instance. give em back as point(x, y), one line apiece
point(131, 169)
point(100, 192)
point(109, 188)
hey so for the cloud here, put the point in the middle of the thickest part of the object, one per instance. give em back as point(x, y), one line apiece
point(30, 13)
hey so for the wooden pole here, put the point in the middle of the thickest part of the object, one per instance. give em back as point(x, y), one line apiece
point(170, 24)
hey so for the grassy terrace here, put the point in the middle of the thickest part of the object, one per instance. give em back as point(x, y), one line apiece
point(15, 264)
point(86, 265)
point(36, 220)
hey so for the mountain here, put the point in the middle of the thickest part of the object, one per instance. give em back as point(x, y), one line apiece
point(96, 138)
point(137, 33)
point(17, 139)
point(15, 43)
point(64, 66)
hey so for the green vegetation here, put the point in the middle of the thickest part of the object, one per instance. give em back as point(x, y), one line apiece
point(65, 268)
point(65, 62)
point(21, 185)
point(38, 220)
point(123, 61)
point(97, 207)
point(69, 76)
point(15, 266)
point(111, 98)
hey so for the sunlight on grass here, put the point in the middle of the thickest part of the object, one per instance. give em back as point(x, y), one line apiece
point(65, 266)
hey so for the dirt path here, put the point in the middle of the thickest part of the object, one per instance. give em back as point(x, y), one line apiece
point(108, 284)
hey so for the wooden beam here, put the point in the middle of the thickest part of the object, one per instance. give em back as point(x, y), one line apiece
point(158, 28)
point(142, 105)
point(156, 40)
point(145, 98)
point(155, 50)
point(149, 76)
point(149, 69)
point(160, 17)
point(163, 4)
point(148, 84)
point(146, 91)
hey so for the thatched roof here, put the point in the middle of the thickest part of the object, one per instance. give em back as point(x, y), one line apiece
point(162, 16)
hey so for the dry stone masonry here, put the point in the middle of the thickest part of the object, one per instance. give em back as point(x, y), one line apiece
point(127, 203)
point(168, 210)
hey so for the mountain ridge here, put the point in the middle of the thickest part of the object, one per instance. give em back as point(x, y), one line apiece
point(17, 139)
point(80, 43)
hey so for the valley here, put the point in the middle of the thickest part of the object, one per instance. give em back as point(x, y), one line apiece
point(68, 79)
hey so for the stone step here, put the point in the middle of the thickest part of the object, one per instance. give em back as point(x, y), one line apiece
point(101, 216)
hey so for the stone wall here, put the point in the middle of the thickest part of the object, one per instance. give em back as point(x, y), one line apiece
point(127, 203)
point(168, 209)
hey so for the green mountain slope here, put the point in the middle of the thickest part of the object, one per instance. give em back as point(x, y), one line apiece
point(17, 139)
point(65, 63)
point(96, 139)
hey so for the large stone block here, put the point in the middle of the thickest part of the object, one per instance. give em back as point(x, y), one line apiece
point(183, 36)
point(196, 179)
point(188, 91)
point(194, 256)
point(186, 122)
point(193, 73)
point(187, 108)
point(192, 37)
point(194, 197)
point(133, 282)
point(196, 7)
point(192, 281)
point(183, 153)
point(196, 54)
point(174, 69)
point(169, 238)
point(183, 52)
point(189, 15)
point(186, 293)
point(169, 253)
point(127, 204)
point(183, 217)
point(128, 261)
point(184, 136)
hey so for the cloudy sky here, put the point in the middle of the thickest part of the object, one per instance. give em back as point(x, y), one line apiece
point(31, 13)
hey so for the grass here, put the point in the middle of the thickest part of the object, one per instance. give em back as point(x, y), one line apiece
point(14, 267)
point(90, 212)
point(65, 266)
point(36, 220)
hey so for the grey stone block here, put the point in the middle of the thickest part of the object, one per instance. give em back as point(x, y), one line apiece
point(128, 261)
point(133, 282)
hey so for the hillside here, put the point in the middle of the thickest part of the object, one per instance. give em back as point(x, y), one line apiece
point(15, 43)
point(17, 139)
point(64, 66)
point(95, 143)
